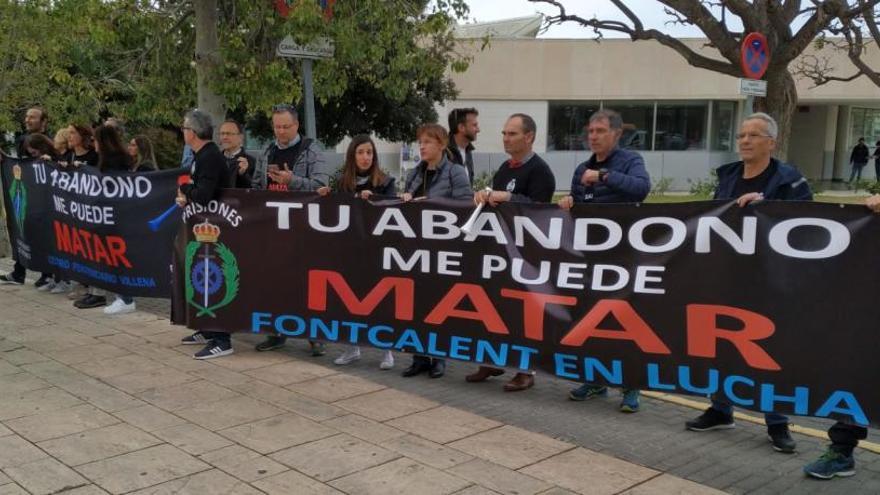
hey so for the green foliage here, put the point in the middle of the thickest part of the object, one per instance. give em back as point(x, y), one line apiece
point(704, 187)
point(483, 180)
point(661, 186)
point(85, 60)
point(167, 146)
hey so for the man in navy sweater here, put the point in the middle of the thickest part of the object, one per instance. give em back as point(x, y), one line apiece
point(611, 175)
point(525, 177)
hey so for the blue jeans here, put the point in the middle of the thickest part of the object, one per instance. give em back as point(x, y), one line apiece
point(769, 418)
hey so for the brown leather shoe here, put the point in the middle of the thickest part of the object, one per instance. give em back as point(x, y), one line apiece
point(483, 373)
point(521, 381)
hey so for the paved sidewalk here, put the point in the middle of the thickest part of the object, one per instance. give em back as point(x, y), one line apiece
point(91, 404)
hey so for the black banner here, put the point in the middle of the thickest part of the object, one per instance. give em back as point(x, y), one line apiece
point(114, 231)
point(771, 307)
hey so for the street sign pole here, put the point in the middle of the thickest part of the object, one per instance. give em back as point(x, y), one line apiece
point(308, 86)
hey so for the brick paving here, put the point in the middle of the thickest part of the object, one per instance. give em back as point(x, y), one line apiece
point(91, 404)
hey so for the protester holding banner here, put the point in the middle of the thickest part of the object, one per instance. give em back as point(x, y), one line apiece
point(40, 146)
point(611, 175)
point(209, 175)
point(525, 177)
point(755, 177)
point(362, 176)
point(463, 127)
point(434, 177)
point(140, 149)
point(60, 141)
point(36, 121)
point(290, 163)
point(241, 165)
point(80, 143)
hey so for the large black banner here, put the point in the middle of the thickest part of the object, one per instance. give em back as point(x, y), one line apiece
point(109, 231)
point(771, 307)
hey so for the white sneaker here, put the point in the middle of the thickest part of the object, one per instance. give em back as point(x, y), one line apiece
point(60, 288)
point(47, 287)
point(349, 356)
point(119, 308)
point(387, 361)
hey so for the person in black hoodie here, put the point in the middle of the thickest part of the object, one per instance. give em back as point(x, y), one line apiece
point(362, 176)
point(210, 174)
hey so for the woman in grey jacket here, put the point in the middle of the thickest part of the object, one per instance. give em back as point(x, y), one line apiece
point(434, 177)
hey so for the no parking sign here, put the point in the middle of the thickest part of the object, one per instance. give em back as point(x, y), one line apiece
point(754, 55)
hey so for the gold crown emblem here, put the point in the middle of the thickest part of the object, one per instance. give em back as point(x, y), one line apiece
point(206, 232)
point(16, 172)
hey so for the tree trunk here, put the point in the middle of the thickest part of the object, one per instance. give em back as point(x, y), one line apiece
point(208, 60)
point(780, 103)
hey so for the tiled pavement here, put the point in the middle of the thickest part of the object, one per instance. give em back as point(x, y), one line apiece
point(91, 404)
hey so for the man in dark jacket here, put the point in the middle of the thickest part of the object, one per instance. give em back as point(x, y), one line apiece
point(611, 175)
point(36, 121)
point(463, 129)
point(209, 176)
point(527, 178)
point(757, 176)
point(858, 159)
point(241, 165)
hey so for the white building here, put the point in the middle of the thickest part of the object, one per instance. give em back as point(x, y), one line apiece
point(682, 119)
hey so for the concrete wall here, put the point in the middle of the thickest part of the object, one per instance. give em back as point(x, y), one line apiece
point(806, 150)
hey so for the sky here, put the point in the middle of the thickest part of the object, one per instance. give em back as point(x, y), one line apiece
point(649, 11)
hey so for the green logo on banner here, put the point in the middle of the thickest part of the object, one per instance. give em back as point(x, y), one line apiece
point(18, 196)
point(205, 276)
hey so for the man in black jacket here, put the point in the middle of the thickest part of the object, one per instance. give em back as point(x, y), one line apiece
point(463, 129)
point(36, 121)
point(209, 176)
point(241, 165)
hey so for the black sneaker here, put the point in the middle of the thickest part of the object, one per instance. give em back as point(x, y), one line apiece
point(91, 301)
point(781, 439)
point(43, 280)
point(197, 338)
point(9, 279)
point(272, 342)
point(317, 348)
point(214, 349)
point(711, 420)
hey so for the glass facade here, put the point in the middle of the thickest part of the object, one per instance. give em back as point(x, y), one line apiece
point(865, 123)
point(648, 125)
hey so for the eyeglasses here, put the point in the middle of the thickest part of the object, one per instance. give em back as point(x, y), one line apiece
point(751, 135)
point(229, 133)
point(184, 128)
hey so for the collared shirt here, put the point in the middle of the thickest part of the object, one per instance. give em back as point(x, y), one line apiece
point(232, 153)
point(291, 144)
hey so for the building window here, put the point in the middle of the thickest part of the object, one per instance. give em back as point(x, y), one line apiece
point(681, 126)
point(638, 123)
point(865, 124)
point(566, 125)
point(723, 121)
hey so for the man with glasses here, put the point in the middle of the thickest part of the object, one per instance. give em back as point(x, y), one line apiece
point(463, 130)
point(209, 175)
point(290, 163)
point(755, 177)
point(241, 165)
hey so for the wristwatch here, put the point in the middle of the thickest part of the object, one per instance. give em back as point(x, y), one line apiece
point(603, 173)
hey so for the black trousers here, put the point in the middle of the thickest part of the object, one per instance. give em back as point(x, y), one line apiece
point(845, 436)
point(425, 361)
point(217, 336)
